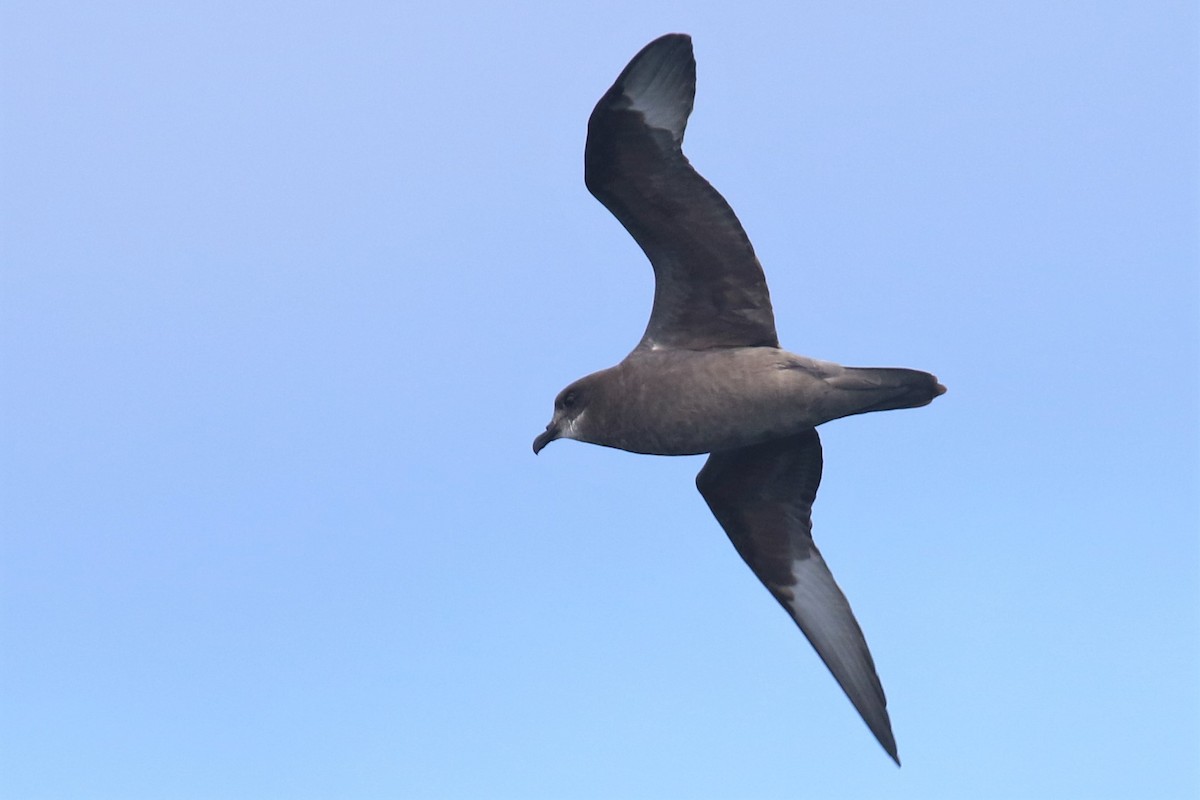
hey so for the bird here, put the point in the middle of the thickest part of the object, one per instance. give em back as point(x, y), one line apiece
point(709, 376)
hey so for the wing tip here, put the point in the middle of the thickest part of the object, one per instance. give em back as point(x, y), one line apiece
point(888, 744)
point(660, 83)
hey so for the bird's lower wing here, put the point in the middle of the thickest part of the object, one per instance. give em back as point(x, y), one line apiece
point(762, 495)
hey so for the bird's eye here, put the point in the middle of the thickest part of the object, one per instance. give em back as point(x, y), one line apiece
point(568, 400)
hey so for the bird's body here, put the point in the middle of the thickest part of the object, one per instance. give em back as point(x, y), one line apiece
point(709, 376)
point(687, 402)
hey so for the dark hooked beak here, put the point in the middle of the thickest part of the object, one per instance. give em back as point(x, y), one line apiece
point(544, 438)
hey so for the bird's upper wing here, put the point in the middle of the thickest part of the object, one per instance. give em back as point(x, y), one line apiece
point(709, 287)
point(762, 495)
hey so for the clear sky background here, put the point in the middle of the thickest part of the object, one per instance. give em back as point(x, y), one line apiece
point(288, 290)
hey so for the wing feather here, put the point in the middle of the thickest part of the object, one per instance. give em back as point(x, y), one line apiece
point(709, 287)
point(762, 495)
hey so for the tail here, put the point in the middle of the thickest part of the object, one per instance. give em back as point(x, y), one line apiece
point(887, 388)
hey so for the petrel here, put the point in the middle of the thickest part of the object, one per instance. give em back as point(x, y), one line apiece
point(708, 375)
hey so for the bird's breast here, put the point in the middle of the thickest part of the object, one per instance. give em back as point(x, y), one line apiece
point(680, 402)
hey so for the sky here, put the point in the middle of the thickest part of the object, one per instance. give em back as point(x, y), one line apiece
point(287, 291)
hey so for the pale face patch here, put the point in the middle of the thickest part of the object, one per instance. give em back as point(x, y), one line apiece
point(572, 428)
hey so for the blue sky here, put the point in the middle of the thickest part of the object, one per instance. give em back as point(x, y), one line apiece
point(286, 294)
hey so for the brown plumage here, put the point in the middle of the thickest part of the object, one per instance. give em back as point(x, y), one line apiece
point(708, 375)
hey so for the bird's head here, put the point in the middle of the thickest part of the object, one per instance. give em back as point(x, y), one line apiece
point(570, 413)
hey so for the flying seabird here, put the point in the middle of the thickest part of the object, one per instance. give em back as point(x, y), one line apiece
point(708, 375)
